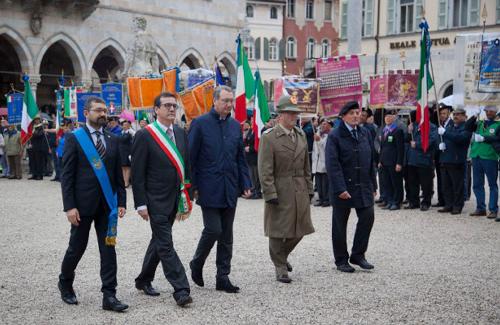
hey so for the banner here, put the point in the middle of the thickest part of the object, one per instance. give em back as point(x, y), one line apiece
point(194, 77)
point(303, 93)
point(112, 94)
point(142, 92)
point(81, 98)
point(15, 108)
point(198, 100)
point(340, 82)
point(171, 82)
point(402, 86)
point(489, 73)
point(378, 91)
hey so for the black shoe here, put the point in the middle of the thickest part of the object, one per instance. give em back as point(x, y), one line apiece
point(456, 211)
point(362, 263)
point(497, 219)
point(13, 177)
point(347, 268)
point(317, 204)
point(147, 289)
point(478, 214)
point(67, 295)
point(184, 301)
point(405, 202)
point(438, 205)
point(411, 207)
point(395, 207)
point(385, 207)
point(379, 201)
point(283, 278)
point(424, 207)
point(54, 180)
point(325, 204)
point(289, 267)
point(445, 210)
point(196, 275)
point(32, 178)
point(111, 303)
point(227, 286)
point(492, 215)
point(382, 204)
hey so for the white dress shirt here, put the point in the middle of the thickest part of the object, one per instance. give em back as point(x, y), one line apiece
point(94, 136)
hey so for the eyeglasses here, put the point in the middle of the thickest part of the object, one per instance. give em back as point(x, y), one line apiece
point(99, 111)
point(170, 105)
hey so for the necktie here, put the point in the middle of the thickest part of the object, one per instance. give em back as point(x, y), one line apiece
point(170, 134)
point(292, 136)
point(354, 134)
point(101, 149)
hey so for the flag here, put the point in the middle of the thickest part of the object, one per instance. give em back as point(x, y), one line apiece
point(70, 107)
point(261, 111)
point(30, 111)
point(219, 79)
point(245, 85)
point(59, 99)
point(425, 83)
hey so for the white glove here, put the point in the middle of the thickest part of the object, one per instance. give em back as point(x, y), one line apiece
point(442, 146)
point(478, 137)
point(441, 130)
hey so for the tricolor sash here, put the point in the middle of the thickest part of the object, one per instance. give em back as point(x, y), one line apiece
point(99, 168)
point(170, 149)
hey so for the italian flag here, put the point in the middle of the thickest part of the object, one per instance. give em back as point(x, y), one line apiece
point(30, 111)
point(70, 102)
point(261, 110)
point(425, 83)
point(245, 85)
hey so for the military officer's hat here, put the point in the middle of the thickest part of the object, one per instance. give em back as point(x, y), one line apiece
point(285, 104)
point(349, 106)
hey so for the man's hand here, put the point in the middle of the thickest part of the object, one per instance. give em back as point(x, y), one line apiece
point(410, 128)
point(144, 214)
point(345, 195)
point(398, 168)
point(379, 165)
point(375, 194)
point(317, 137)
point(247, 194)
point(73, 217)
point(182, 217)
point(413, 144)
point(121, 212)
point(247, 149)
point(273, 201)
point(195, 195)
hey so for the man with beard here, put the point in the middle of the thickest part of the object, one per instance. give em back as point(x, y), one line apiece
point(93, 191)
point(161, 173)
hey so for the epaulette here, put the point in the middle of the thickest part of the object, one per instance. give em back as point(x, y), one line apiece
point(268, 130)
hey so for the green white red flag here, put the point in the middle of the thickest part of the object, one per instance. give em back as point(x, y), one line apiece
point(261, 111)
point(245, 84)
point(30, 111)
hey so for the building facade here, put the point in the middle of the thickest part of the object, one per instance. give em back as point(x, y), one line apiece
point(310, 32)
point(88, 39)
point(263, 37)
point(391, 36)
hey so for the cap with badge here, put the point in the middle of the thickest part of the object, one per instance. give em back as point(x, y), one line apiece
point(348, 107)
point(490, 108)
point(285, 104)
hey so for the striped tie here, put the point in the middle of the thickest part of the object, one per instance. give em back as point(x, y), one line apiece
point(170, 134)
point(101, 149)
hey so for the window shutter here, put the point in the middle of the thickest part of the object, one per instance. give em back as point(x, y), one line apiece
point(418, 13)
point(257, 49)
point(266, 49)
point(343, 27)
point(443, 14)
point(391, 13)
point(281, 49)
point(474, 13)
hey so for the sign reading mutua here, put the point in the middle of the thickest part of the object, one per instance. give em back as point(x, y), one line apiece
point(443, 41)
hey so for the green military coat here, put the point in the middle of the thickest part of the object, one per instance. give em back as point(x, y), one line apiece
point(285, 174)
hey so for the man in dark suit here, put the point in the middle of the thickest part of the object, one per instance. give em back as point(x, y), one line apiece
point(84, 202)
point(220, 175)
point(156, 185)
point(251, 157)
point(444, 122)
point(350, 163)
point(391, 160)
point(39, 149)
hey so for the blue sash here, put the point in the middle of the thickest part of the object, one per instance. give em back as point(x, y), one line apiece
point(99, 168)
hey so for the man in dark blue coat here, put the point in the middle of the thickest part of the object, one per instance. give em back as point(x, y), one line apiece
point(391, 160)
point(420, 165)
point(452, 160)
point(351, 173)
point(219, 175)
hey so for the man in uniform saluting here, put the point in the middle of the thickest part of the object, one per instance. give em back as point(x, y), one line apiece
point(92, 190)
point(287, 188)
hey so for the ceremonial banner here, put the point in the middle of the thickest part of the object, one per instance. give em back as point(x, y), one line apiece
point(14, 108)
point(402, 89)
point(340, 82)
point(198, 100)
point(378, 91)
point(196, 76)
point(171, 82)
point(489, 74)
point(112, 94)
point(278, 90)
point(81, 98)
point(70, 109)
point(303, 93)
point(142, 92)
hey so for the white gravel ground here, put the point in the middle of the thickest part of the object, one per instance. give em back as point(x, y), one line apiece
point(429, 268)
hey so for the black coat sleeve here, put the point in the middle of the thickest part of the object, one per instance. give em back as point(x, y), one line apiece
point(399, 139)
point(121, 193)
point(139, 168)
point(187, 164)
point(69, 170)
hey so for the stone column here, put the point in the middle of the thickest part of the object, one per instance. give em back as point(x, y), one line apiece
point(87, 83)
point(34, 80)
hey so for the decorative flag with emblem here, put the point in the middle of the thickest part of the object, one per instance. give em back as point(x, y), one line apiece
point(70, 105)
point(30, 111)
point(261, 111)
point(245, 84)
point(425, 83)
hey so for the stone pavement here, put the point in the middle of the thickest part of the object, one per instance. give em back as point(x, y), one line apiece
point(429, 268)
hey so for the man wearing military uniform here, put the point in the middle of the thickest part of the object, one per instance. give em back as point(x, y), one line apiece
point(285, 178)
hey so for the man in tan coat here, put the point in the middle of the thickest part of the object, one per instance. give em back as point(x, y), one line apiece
point(285, 178)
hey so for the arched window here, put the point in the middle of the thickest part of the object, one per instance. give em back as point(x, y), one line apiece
point(274, 13)
point(310, 9)
point(291, 46)
point(249, 11)
point(250, 48)
point(310, 48)
point(273, 49)
point(325, 48)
